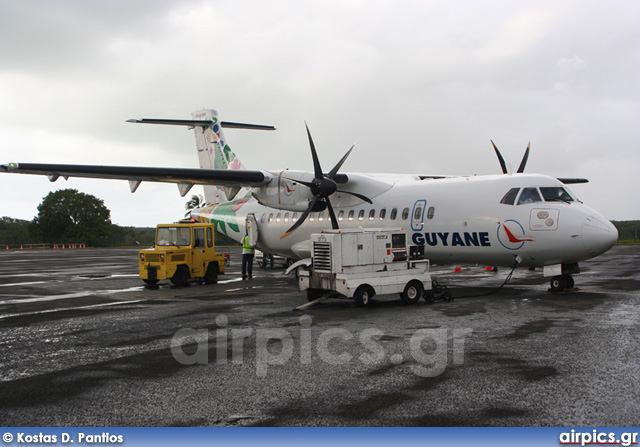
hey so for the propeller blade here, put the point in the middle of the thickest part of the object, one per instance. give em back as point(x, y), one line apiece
point(523, 163)
point(335, 169)
point(359, 196)
point(332, 215)
point(503, 165)
point(304, 215)
point(316, 163)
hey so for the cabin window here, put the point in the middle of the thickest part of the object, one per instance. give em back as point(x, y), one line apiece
point(351, 213)
point(555, 194)
point(417, 214)
point(286, 217)
point(312, 217)
point(431, 212)
point(263, 218)
point(529, 195)
point(383, 213)
point(361, 215)
point(394, 213)
point(372, 214)
point(341, 216)
point(294, 218)
point(321, 217)
point(510, 197)
point(270, 217)
point(405, 214)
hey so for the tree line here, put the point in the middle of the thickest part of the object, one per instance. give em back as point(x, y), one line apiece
point(68, 216)
point(628, 231)
point(71, 217)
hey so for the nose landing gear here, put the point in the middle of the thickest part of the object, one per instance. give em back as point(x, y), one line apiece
point(561, 282)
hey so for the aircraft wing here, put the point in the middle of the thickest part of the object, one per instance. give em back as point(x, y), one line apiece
point(184, 177)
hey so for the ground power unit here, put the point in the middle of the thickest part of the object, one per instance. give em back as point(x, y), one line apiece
point(361, 263)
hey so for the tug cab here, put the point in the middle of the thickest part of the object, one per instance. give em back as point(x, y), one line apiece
point(182, 251)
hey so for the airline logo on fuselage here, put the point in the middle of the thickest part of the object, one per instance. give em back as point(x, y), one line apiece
point(453, 239)
point(512, 236)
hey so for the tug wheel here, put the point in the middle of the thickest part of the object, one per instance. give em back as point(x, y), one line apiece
point(180, 277)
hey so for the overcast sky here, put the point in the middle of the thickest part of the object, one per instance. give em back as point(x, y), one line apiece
point(421, 85)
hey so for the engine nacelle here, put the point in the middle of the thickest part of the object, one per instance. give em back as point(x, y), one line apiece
point(284, 192)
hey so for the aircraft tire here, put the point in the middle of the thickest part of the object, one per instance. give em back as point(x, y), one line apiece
point(558, 283)
point(570, 281)
point(413, 291)
point(151, 282)
point(363, 295)
point(180, 277)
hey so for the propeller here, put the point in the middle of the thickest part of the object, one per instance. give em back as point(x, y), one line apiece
point(322, 186)
point(503, 165)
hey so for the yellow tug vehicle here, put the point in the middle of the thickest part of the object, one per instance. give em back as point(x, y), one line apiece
point(182, 251)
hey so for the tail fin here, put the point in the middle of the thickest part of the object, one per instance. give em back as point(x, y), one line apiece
point(215, 153)
point(213, 150)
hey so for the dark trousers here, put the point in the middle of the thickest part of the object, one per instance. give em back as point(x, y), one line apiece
point(247, 264)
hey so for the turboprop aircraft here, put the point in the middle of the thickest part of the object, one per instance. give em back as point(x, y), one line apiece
point(510, 219)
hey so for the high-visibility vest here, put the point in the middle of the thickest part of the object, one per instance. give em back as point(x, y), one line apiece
point(246, 246)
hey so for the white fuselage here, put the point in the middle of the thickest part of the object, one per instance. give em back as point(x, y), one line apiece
point(458, 220)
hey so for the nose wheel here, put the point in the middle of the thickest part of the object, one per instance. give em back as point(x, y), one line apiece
point(561, 282)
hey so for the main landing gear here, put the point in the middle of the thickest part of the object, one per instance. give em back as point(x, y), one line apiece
point(561, 282)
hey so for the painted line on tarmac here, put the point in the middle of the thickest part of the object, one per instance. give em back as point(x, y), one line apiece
point(227, 281)
point(39, 299)
point(30, 283)
point(63, 309)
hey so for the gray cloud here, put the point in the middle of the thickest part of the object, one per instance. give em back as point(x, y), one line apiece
point(421, 85)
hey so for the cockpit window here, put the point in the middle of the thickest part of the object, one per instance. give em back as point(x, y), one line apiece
point(555, 194)
point(529, 195)
point(510, 197)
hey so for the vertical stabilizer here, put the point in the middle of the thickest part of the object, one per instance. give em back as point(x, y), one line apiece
point(215, 153)
point(213, 150)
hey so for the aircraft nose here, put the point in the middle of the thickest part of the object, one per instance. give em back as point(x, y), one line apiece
point(598, 235)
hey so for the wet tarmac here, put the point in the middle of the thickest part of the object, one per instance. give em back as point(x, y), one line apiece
point(84, 343)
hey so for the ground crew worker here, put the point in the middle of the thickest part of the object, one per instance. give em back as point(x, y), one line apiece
point(247, 257)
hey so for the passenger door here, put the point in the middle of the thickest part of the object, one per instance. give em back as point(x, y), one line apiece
point(417, 216)
point(252, 229)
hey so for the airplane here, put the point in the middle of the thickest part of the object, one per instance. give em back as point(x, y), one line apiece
point(509, 219)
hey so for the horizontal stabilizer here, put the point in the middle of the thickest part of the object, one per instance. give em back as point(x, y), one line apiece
point(200, 123)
